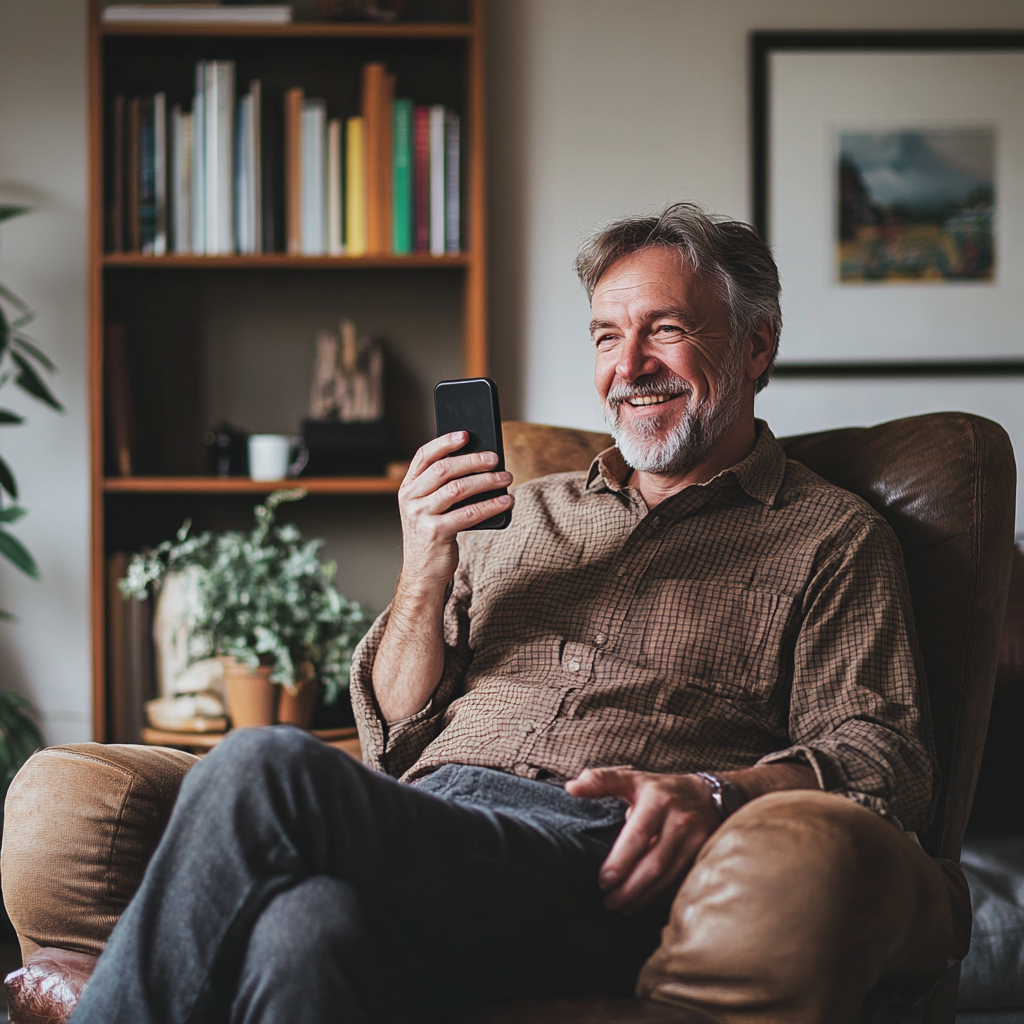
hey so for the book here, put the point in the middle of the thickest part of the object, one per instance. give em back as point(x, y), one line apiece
point(293, 100)
point(159, 174)
point(198, 183)
point(219, 116)
point(385, 104)
point(181, 181)
point(254, 155)
point(200, 14)
point(118, 389)
point(115, 211)
point(314, 213)
point(272, 160)
point(421, 178)
point(355, 188)
point(247, 173)
point(437, 181)
point(373, 125)
point(132, 174)
point(147, 176)
point(452, 166)
point(335, 193)
point(401, 177)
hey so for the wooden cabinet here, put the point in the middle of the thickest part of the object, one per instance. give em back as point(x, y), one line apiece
point(231, 337)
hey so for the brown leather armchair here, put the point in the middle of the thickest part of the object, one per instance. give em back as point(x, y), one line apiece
point(81, 821)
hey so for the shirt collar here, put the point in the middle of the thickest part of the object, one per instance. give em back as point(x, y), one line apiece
point(760, 474)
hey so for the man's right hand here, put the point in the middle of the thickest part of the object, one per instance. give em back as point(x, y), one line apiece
point(429, 524)
point(410, 658)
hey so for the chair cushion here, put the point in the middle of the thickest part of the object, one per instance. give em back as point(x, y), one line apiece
point(97, 812)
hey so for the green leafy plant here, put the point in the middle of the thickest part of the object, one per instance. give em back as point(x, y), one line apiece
point(265, 597)
point(25, 365)
point(20, 737)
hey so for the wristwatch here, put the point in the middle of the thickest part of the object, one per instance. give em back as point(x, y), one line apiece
point(726, 796)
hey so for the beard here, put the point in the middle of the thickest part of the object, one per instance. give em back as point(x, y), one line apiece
point(649, 445)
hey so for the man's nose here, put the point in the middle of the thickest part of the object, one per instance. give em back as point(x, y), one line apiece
point(635, 361)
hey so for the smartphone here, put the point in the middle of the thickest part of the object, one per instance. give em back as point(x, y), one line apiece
point(472, 405)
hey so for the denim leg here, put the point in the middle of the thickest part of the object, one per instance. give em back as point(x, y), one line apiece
point(504, 903)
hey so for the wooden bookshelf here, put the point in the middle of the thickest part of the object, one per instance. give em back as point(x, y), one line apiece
point(127, 57)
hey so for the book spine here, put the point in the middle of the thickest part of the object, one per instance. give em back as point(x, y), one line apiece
point(355, 188)
point(401, 177)
point(255, 155)
point(313, 214)
point(115, 231)
point(452, 165)
point(225, 177)
point(241, 176)
point(386, 105)
point(132, 193)
point(199, 161)
point(118, 398)
point(160, 173)
point(272, 183)
point(373, 91)
point(335, 205)
point(147, 177)
point(293, 99)
point(437, 180)
point(421, 168)
point(183, 185)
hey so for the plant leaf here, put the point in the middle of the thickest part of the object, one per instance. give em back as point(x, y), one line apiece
point(10, 419)
point(5, 332)
point(6, 616)
point(29, 349)
point(14, 551)
point(31, 383)
point(19, 304)
point(12, 514)
point(7, 211)
point(7, 481)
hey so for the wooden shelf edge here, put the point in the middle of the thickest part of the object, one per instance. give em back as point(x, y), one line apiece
point(269, 261)
point(295, 30)
point(242, 485)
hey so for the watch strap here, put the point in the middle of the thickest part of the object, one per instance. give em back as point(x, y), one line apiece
point(726, 796)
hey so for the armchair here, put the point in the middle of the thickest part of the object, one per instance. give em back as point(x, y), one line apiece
point(81, 821)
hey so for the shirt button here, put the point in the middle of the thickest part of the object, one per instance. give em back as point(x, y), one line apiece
point(573, 666)
point(600, 639)
point(656, 522)
point(621, 571)
point(528, 727)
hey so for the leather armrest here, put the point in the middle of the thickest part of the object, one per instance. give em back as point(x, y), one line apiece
point(80, 825)
point(47, 989)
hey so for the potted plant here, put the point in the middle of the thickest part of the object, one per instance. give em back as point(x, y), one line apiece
point(265, 603)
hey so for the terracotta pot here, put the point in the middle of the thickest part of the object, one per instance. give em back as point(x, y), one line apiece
point(249, 694)
point(296, 704)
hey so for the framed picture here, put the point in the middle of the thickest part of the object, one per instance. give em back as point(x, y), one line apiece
point(889, 182)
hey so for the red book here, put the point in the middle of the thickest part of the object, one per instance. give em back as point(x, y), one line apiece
point(421, 170)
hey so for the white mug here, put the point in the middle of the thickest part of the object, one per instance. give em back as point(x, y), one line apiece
point(270, 455)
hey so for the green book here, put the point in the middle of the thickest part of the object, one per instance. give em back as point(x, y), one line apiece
point(401, 177)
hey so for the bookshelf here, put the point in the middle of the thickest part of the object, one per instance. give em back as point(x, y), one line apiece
point(200, 329)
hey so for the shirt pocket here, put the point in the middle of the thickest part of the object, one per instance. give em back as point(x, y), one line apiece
point(728, 640)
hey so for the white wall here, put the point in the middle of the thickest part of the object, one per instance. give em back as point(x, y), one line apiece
point(597, 108)
point(605, 107)
point(42, 258)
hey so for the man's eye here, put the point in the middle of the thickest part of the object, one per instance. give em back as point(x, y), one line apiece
point(669, 329)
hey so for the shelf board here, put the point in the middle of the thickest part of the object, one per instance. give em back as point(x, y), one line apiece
point(295, 30)
point(243, 485)
point(279, 260)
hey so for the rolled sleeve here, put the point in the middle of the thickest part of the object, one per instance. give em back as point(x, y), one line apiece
point(393, 747)
point(858, 707)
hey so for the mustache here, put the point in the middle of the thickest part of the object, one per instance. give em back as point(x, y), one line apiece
point(668, 386)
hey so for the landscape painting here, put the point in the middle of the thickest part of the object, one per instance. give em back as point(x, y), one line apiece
point(916, 205)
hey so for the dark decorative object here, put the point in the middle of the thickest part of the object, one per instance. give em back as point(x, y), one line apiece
point(336, 448)
point(361, 10)
point(227, 451)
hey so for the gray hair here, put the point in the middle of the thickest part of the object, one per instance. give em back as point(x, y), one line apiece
point(727, 253)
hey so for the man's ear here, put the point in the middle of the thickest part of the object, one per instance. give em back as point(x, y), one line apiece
point(758, 350)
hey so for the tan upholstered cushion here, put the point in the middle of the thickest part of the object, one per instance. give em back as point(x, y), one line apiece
point(533, 450)
point(80, 825)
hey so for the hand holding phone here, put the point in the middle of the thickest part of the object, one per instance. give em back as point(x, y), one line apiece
point(472, 405)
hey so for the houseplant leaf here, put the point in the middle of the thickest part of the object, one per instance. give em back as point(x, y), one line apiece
point(10, 419)
point(11, 514)
point(7, 211)
point(14, 551)
point(20, 341)
point(7, 481)
point(19, 304)
point(30, 382)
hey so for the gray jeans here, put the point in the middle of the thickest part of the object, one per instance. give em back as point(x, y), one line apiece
point(295, 885)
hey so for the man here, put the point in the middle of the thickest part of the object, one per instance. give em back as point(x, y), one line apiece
point(575, 705)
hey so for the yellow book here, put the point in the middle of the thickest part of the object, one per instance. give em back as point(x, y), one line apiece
point(355, 188)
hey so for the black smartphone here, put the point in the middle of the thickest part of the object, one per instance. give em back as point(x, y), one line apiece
point(472, 405)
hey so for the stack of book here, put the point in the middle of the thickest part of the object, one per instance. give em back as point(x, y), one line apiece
point(239, 174)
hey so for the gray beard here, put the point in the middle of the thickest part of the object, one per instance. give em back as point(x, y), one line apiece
point(647, 447)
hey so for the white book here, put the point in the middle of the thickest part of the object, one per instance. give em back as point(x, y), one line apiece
point(181, 181)
point(160, 173)
point(437, 180)
point(204, 14)
point(243, 236)
point(314, 212)
point(255, 156)
point(199, 161)
point(219, 156)
point(335, 217)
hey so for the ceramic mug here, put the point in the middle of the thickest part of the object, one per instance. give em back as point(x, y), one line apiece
point(270, 456)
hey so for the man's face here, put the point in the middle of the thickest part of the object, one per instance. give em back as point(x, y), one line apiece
point(667, 371)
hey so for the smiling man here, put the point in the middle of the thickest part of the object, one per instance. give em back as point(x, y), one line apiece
point(560, 716)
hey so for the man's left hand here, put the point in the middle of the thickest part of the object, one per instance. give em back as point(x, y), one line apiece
point(670, 817)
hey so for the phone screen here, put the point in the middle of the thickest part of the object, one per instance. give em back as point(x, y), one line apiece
point(472, 405)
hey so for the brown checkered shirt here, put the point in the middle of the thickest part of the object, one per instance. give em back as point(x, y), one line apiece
point(760, 617)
